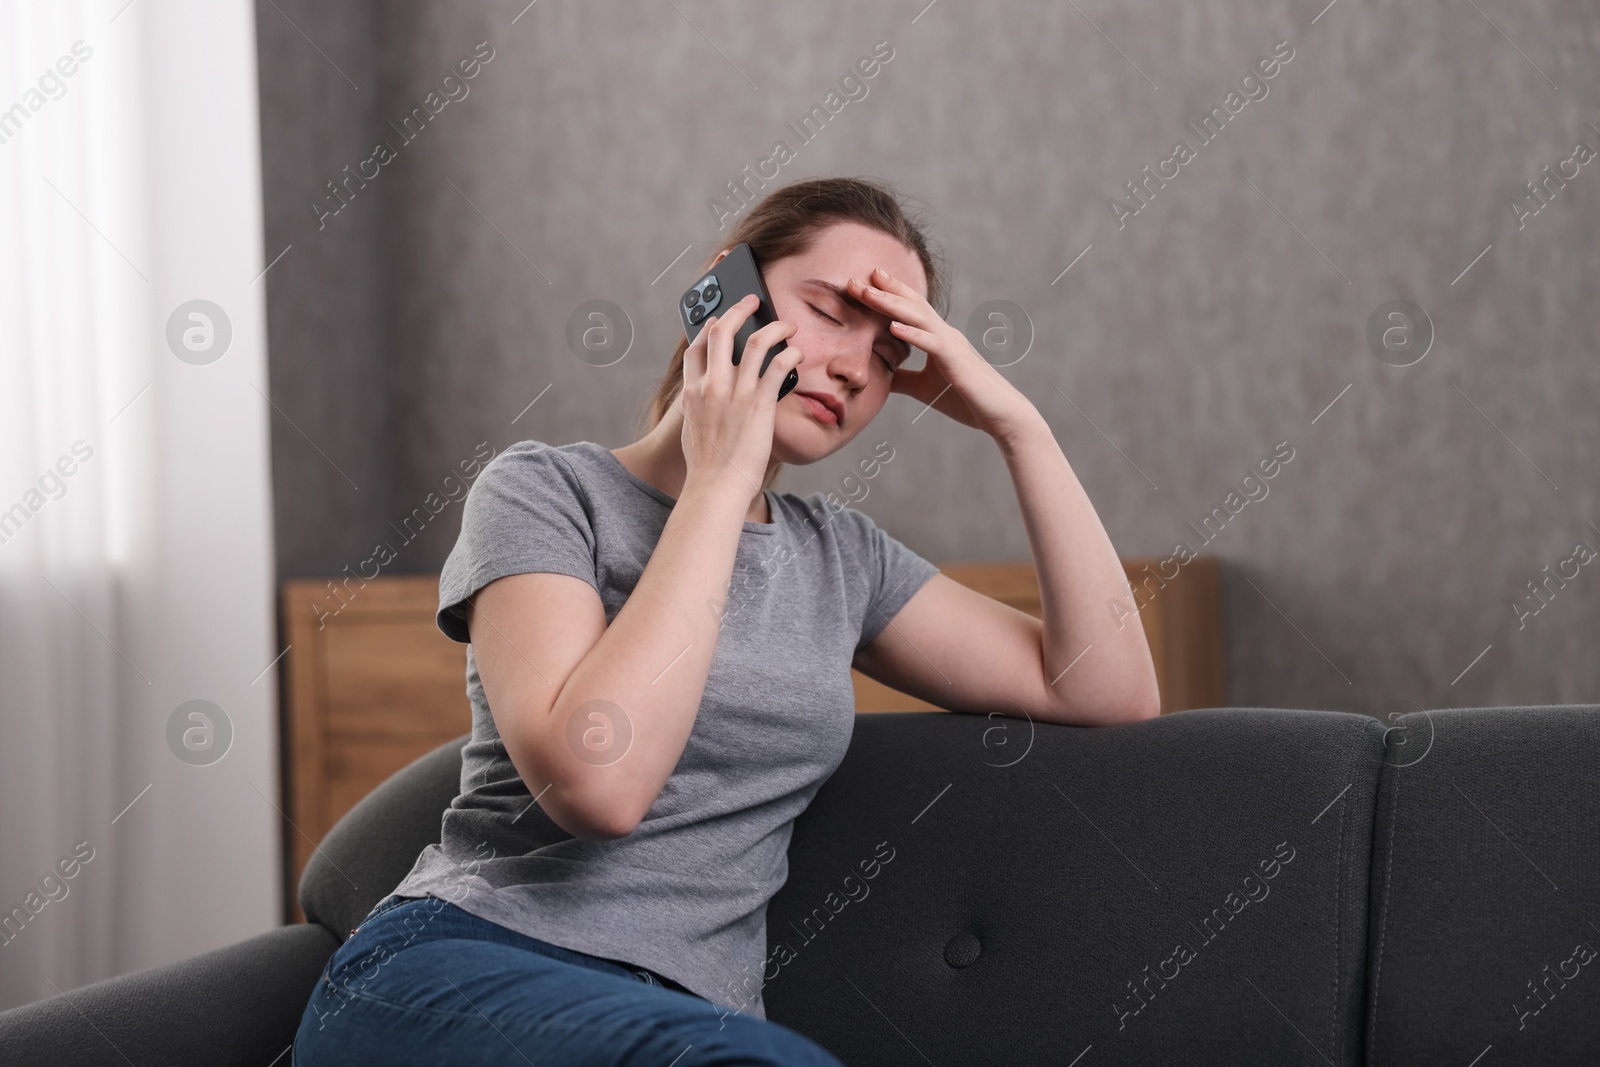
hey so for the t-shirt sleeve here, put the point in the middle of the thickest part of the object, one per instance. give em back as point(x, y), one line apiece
point(894, 573)
point(525, 513)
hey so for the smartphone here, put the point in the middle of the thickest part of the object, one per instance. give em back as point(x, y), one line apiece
point(729, 281)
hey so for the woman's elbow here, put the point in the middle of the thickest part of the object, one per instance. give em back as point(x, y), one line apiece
point(587, 818)
point(1110, 710)
point(1147, 705)
point(587, 810)
point(1146, 710)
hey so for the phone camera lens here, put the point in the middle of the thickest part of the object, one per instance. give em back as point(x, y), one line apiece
point(691, 298)
point(711, 293)
point(696, 313)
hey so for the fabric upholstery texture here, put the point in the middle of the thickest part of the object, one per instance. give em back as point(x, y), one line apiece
point(240, 1004)
point(368, 851)
point(1223, 886)
point(1030, 887)
point(1486, 879)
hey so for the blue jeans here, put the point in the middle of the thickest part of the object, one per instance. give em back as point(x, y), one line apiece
point(421, 981)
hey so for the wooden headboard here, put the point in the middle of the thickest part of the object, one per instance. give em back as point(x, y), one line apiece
point(371, 682)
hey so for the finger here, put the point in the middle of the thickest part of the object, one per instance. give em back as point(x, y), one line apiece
point(904, 303)
point(914, 336)
point(719, 347)
point(907, 305)
point(782, 363)
point(694, 373)
point(884, 280)
point(755, 353)
point(694, 357)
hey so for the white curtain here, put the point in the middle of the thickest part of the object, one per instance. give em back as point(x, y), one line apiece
point(135, 508)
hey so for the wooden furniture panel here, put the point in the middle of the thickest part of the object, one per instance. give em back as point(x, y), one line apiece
point(371, 682)
point(395, 674)
point(1182, 619)
point(359, 764)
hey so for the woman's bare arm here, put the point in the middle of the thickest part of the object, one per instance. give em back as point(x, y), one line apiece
point(556, 676)
point(1078, 568)
point(544, 652)
point(1086, 663)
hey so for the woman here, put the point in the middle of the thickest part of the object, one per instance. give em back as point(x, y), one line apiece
point(659, 654)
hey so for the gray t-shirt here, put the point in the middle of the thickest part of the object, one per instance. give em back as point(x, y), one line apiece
point(685, 894)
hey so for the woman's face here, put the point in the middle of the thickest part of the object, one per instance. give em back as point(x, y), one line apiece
point(849, 352)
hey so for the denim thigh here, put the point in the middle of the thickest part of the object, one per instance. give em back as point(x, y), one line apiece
point(420, 981)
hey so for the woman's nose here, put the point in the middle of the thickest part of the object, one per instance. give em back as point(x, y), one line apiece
point(851, 362)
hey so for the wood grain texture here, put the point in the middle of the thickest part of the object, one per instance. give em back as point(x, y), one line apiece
point(371, 684)
point(1182, 619)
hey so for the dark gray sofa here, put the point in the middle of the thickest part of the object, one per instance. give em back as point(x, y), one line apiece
point(1225, 886)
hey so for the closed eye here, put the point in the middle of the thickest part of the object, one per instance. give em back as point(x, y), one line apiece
point(887, 364)
point(824, 314)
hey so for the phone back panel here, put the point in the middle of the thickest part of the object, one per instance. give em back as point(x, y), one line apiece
point(725, 284)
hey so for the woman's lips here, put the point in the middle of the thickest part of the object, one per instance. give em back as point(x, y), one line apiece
point(819, 410)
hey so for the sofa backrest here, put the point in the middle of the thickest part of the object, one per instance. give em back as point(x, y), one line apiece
point(1250, 885)
point(1485, 894)
point(986, 890)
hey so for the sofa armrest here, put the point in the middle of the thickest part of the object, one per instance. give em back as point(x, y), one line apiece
point(239, 1004)
point(371, 849)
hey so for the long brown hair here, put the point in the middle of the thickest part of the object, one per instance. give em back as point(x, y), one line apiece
point(786, 222)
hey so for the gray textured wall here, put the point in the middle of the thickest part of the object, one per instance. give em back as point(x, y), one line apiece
point(1223, 318)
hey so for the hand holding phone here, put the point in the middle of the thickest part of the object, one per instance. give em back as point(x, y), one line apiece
point(732, 278)
point(730, 412)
